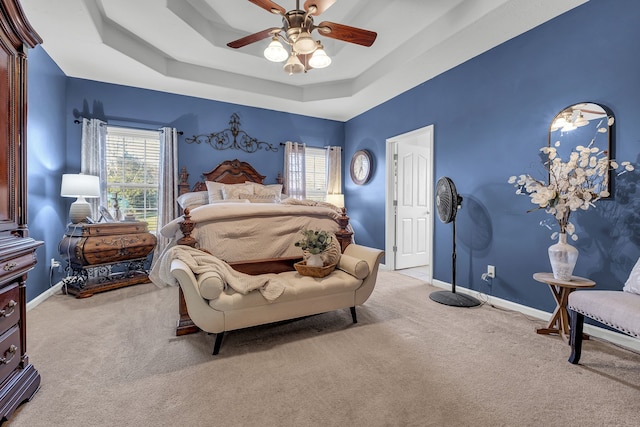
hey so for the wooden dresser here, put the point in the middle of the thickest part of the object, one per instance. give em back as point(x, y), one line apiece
point(19, 380)
point(106, 256)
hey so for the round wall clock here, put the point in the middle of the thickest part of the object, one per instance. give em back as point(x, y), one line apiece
point(361, 165)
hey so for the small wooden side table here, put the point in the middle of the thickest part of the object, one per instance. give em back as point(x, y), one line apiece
point(559, 323)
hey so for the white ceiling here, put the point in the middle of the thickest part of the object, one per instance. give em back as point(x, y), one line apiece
point(179, 46)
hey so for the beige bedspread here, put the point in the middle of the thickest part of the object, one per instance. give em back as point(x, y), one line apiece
point(250, 231)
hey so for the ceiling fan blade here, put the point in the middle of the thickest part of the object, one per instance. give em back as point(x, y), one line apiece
point(347, 33)
point(321, 5)
point(269, 6)
point(252, 38)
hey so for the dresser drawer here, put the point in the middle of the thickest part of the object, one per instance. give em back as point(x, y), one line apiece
point(10, 352)
point(17, 265)
point(9, 307)
point(87, 251)
point(106, 229)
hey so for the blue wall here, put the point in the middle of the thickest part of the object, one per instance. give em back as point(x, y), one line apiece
point(491, 115)
point(46, 160)
point(56, 101)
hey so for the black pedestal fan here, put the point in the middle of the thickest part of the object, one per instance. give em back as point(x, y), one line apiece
point(448, 201)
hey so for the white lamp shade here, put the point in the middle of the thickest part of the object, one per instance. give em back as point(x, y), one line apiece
point(319, 59)
point(80, 185)
point(275, 52)
point(336, 200)
point(304, 44)
point(293, 65)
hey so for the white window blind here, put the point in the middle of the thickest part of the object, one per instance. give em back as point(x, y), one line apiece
point(316, 173)
point(133, 158)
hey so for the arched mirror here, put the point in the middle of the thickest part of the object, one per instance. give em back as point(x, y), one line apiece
point(585, 124)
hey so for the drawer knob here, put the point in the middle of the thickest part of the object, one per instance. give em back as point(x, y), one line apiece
point(12, 351)
point(11, 308)
point(9, 266)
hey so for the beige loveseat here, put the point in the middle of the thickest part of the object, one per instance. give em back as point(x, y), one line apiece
point(349, 285)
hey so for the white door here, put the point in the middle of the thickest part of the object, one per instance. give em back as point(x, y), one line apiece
point(413, 209)
point(413, 195)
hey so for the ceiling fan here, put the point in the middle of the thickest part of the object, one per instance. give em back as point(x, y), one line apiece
point(297, 25)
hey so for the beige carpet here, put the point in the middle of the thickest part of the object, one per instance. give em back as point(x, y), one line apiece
point(113, 360)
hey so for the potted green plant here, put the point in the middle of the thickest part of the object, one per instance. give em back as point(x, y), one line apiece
point(315, 242)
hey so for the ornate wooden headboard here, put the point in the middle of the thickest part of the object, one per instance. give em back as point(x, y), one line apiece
point(227, 172)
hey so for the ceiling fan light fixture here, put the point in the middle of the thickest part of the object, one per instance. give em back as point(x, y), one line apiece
point(293, 65)
point(275, 52)
point(319, 59)
point(304, 43)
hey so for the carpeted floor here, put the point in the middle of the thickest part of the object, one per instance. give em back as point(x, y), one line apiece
point(113, 360)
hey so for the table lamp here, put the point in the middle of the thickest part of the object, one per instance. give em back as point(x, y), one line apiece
point(336, 200)
point(80, 186)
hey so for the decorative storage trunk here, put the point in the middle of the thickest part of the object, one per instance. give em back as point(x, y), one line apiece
point(106, 256)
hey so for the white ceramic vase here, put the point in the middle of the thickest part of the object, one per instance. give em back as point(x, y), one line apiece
point(315, 260)
point(563, 258)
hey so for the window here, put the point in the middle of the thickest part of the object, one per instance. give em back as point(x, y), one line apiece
point(316, 173)
point(133, 158)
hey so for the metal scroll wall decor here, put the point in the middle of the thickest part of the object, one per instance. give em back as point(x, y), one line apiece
point(231, 138)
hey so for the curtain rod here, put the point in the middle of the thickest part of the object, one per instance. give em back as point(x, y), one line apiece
point(76, 121)
point(310, 146)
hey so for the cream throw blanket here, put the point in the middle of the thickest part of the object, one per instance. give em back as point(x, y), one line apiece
point(201, 262)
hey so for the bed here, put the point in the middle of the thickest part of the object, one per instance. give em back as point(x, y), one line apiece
point(233, 215)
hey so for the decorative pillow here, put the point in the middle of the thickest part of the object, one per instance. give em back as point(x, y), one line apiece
point(193, 199)
point(259, 198)
point(266, 189)
point(214, 189)
point(210, 285)
point(332, 254)
point(233, 191)
point(633, 282)
point(356, 267)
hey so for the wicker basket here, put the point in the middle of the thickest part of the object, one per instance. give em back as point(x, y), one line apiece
point(302, 268)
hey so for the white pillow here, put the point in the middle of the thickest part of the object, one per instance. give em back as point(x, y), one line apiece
point(633, 282)
point(193, 199)
point(235, 191)
point(215, 190)
point(266, 189)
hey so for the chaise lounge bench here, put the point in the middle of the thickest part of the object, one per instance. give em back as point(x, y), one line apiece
point(617, 309)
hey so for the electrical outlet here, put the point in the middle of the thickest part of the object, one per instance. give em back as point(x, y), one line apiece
point(491, 271)
point(55, 263)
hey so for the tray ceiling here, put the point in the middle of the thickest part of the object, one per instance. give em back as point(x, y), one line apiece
point(179, 46)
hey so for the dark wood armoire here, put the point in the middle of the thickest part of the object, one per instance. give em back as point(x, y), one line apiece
point(19, 380)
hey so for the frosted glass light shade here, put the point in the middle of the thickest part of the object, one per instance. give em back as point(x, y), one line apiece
point(293, 65)
point(304, 44)
point(80, 185)
point(275, 52)
point(319, 59)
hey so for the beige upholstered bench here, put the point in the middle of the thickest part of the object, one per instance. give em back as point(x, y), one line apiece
point(619, 310)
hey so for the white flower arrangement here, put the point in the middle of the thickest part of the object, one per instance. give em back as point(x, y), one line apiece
point(575, 184)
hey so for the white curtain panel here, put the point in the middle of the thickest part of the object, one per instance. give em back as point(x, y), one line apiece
point(294, 170)
point(168, 182)
point(93, 154)
point(334, 170)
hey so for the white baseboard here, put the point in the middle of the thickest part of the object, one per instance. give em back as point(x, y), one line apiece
point(616, 338)
point(43, 296)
